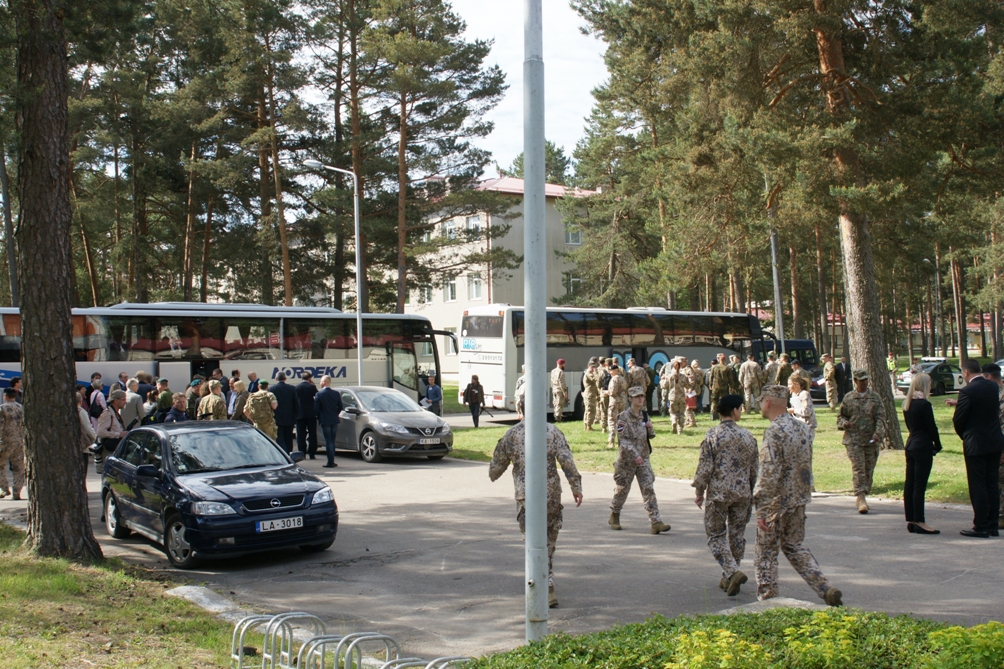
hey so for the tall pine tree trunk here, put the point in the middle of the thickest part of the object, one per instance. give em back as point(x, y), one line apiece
point(59, 524)
point(280, 211)
point(863, 325)
point(824, 340)
point(264, 197)
point(959, 301)
point(797, 331)
point(207, 237)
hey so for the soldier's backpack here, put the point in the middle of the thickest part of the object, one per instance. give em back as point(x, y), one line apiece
point(260, 408)
point(193, 406)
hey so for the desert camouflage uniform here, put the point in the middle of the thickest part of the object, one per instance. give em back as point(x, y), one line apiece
point(721, 385)
point(800, 372)
point(559, 393)
point(618, 402)
point(802, 409)
point(591, 394)
point(604, 398)
point(861, 417)
point(634, 438)
point(696, 376)
point(12, 445)
point(770, 373)
point(212, 407)
point(675, 386)
point(520, 394)
point(783, 372)
point(726, 474)
point(637, 376)
point(830, 377)
point(510, 450)
point(263, 420)
point(781, 493)
point(751, 378)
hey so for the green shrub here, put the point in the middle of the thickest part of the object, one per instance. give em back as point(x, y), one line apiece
point(718, 649)
point(980, 647)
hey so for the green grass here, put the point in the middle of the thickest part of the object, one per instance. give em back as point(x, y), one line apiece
point(57, 614)
point(676, 456)
point(775, 639)
point(450, 403)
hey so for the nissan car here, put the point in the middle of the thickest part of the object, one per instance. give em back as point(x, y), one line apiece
point(383, 422)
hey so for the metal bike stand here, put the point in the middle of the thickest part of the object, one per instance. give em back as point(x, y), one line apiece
point(278, 649)
point(243, 626)
point(444, 662)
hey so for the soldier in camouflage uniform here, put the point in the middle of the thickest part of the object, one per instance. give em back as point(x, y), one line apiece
point(770, 370)
point(11, 443)
point(798, 370)
point(675, 386)
point(591, 392)
point(862, 420)
point(636, 376)
point(751, 379)
point(783, 488)
point(634, 431)
point(605, 377)
point(259, 408)
point(697, 387)
point(511, 450)
point(213, 406)
point(559, 391)
point(726, 474)
point(783, 370)
point(721, 383)
point(830, 379)
point(617, 390)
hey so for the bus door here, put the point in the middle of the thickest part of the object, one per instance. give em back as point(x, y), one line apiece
point(403, 368)
point(178, 374)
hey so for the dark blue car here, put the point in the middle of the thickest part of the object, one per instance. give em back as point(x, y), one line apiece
point(209, 489)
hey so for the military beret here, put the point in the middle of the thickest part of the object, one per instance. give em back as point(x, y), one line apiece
point(860, 374)
point(779, 392)
point(263, 383)
point(195, 383)
point(635, 391)
point(162, 380)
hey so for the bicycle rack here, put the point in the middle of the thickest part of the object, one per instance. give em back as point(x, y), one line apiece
point(243, 626)
point(354, 648)
point(403, 662)
point(278, 648)
point(444, 662)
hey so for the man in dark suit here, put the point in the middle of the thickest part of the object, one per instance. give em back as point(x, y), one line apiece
point(977, 422)
point(306, 420)
point(286, 410)
point(843, 378)
point(327, 406)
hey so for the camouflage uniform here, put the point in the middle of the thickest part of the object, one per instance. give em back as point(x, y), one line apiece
point(520, 395)
point(604, 398)
point(637, 376)
point(783, 372)
point(721, 385)
point(726, 474)
point(676, 386)
point(802, 410)
point(770, 373)
point(861, 416)
point(259, 405)
point(801, 373)
point(510, 450)
point(830, 378)
point(591, 394)
point(618, 402)
point(559, 393)
point(696, 375)
point(781, 493)
point(634, 438)
point(12, 446)
point(212, 407)
point(751, 378)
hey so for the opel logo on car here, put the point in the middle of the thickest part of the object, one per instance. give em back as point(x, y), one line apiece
point(275, 503)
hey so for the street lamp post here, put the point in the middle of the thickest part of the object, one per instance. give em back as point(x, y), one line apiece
point(318, 165)
point(938, 335)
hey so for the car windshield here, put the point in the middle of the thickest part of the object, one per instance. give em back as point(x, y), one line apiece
point(382, 402)
point(218, 450)
point(929, 366)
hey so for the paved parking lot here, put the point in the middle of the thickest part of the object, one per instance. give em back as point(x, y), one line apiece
point(431, 553)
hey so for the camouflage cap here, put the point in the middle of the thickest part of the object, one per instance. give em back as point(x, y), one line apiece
point(860, 374)
point(594, 360)
point(635, 391)
point(778, 392)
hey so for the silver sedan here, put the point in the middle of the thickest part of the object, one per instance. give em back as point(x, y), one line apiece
point(383, 422)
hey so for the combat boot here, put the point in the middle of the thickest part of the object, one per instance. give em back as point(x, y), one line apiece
point(659, 527)
point(833, 597)
point(862, 504)
point(724, 583)
point(552, 599)
point(732, 585)
point(615, 521)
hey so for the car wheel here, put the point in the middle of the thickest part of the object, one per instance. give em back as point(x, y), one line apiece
point(369, 448)
point(436, 457)
point(179, 551)
point(317, 548)
point(113, 521)
point(939, 389)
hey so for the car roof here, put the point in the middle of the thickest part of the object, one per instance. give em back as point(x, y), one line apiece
point(376, 389)
point(197, 426)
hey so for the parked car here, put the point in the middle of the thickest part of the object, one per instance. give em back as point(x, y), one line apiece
point(944, 377)
point(214, 488)
point(383, 422)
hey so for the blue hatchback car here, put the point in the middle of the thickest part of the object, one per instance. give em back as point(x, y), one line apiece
point(212, 489)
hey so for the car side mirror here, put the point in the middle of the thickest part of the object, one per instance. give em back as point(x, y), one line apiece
point(352, 410)
point(148, 471)
point(296, 456)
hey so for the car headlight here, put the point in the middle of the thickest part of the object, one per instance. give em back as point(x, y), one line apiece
point(213, 509)
point(323, 495)
point(390, 427)
point(445, 429)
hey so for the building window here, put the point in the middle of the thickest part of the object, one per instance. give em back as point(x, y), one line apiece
point(451, 344)
point(450, 291)
point(425, 295)
point(573, 237)
point(426, 236)
point(450, 229)
point(474, 224)
point(473, 287)
point(407, 298)
point(573, 284)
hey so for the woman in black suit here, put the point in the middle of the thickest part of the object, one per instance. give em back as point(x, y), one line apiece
point(921, 446)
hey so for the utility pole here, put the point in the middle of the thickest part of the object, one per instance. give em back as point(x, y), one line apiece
point(778, 306)
point(535, 301)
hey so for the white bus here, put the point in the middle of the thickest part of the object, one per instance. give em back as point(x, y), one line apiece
point(491, 343)
point(176, 340)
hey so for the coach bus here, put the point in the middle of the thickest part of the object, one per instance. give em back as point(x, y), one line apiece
point(491, 343)
point(177, 340)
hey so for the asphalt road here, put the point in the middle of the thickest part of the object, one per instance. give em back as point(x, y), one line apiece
point(430, 553)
